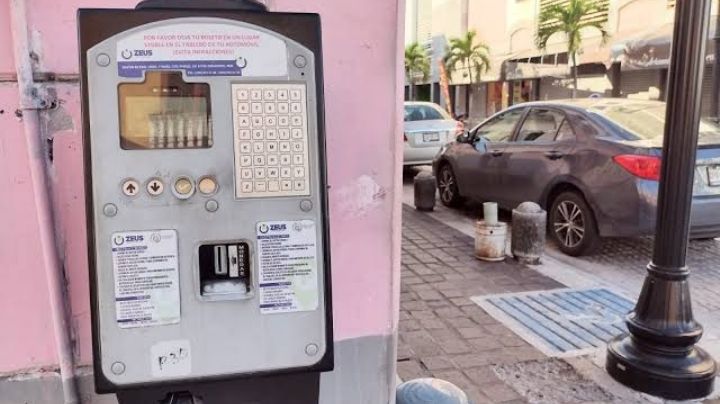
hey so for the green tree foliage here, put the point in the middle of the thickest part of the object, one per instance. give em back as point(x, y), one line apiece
point(416, 63)
point(468, 54)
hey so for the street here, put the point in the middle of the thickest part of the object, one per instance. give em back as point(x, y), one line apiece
point(443, 333)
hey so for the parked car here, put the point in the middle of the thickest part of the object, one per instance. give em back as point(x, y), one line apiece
point(594, 164)
point(427, 128)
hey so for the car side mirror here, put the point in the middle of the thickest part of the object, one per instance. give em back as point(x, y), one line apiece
point(464, 137)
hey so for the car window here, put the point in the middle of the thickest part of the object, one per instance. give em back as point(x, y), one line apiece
point(541, 125)
point(500, 128)
point(565, 132)
point(424, 113)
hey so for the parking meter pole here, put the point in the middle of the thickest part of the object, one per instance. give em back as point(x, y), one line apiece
point(659, 356)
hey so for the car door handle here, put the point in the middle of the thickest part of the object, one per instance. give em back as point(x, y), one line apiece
point(554, 155)
point(496, 153)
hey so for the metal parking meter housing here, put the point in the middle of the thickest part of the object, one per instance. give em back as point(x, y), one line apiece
point(211, 197)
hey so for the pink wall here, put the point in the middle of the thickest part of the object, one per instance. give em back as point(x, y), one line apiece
point(360, 82)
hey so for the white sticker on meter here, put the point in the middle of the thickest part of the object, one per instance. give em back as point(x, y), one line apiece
point(287, 260)
point(145, 266)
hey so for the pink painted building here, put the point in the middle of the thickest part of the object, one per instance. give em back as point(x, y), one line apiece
point(363, 90)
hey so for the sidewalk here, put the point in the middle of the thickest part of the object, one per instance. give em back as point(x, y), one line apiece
point(444, 334)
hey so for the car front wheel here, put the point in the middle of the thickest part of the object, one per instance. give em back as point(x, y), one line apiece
point(572, 225)
point(447, 186)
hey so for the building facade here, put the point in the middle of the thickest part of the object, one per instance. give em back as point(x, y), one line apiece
point(633, 62)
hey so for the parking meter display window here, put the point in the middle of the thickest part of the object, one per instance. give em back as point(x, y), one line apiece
point(224, 270)
point(164, 112)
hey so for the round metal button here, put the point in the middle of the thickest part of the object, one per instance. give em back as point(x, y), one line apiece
point(300, 61)
point(207, 186)
point(211, 205)
point(103, 59)
point(117, 368)
point(311, 349)
point(155, 187)
point(183, 187)
point(306, 205)
point(110, 210)
point(130, 187)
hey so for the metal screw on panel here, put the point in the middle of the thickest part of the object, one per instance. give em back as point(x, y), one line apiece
point(300, 61)
point(103, 59)
point(306, 205)
point(311, 349)
point(211, 205)
point(110, 210)
point(118, 368)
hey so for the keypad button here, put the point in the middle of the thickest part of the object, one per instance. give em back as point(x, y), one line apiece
point(295, 95)
point(256, 108)
point(298, 159)
point(183, 187)
point(259, 173)
point(258, 147)
point(269, 95)
point(242, 95)
point(273, 186)
point(285, 172)
point(270, 121)
point(295, 120)
point(298, 172)
point(245, 147)
point(297, 147)
point(284, 147)
point(246, 173)
point(260, 186)
point(244, 134)
point(282, 95)
point(243, 107)
point(286, 185)
point(207, 186)
point(271, 147)
point(259, 160)
point(246, 187)
point(243, 122)
point(283, 108)
point(297, 133)
point(299, 185)
point(256, 94)
point(272, 159)
point(271, 134)
point(258, 134)
point(245, 161)
point(295, 107)
point(284, 159)
point(284, 133)
point(130, 187)
point(283, 121)
point(273, 172)
point(269, 107)
point(257, 121)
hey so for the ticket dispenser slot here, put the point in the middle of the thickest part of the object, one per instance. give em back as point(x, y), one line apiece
point(207, 195)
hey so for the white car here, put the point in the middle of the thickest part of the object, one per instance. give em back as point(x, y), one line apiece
point(427, 128)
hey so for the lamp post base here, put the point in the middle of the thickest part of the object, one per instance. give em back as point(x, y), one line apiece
point(685, 376)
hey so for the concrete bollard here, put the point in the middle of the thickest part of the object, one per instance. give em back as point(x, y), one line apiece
point(490, 240)
point(529, 226)
point(424, 187)
point(429, 391)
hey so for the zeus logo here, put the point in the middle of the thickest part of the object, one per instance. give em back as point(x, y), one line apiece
point(277, 227)
point(142, 52)
point(130, 239)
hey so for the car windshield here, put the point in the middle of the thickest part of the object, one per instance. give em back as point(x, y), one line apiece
point(424, 113)
point(646, 121)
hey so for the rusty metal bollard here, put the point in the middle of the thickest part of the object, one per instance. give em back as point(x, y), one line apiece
point(424, 188)
point(529, 225)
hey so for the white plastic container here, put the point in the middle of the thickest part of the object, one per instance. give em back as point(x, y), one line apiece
point(490, 241)
point(490, 213)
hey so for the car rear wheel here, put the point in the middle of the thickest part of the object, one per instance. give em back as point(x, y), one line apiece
point(447, 186)
point(572, 225)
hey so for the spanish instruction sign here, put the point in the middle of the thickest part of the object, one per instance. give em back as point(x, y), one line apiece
point(287, 260)
point(202, 49)
point(145, 266)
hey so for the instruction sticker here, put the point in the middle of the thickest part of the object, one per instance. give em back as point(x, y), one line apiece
point(202, 49)
point(145, 264)
point(287, 260)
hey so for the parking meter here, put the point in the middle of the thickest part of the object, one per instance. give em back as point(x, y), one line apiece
point(206, 194)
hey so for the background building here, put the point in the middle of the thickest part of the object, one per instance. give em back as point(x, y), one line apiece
point(632, 63)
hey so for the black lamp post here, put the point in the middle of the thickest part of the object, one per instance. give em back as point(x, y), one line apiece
point(659, 356)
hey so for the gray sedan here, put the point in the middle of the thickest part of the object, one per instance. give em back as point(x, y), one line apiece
point(594, 164)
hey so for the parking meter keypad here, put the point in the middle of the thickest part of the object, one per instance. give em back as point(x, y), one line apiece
point(271, 143)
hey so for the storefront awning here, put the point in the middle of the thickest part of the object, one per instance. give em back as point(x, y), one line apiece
point(651, 49)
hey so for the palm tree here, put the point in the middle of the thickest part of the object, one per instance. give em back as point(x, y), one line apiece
point(571, 19)
point(469, 54)
point(416, 61)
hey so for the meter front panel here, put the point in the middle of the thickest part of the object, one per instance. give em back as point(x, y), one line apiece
point(207, 192)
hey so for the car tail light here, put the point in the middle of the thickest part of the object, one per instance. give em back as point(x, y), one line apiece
point(646, 167)
point(459, 128)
